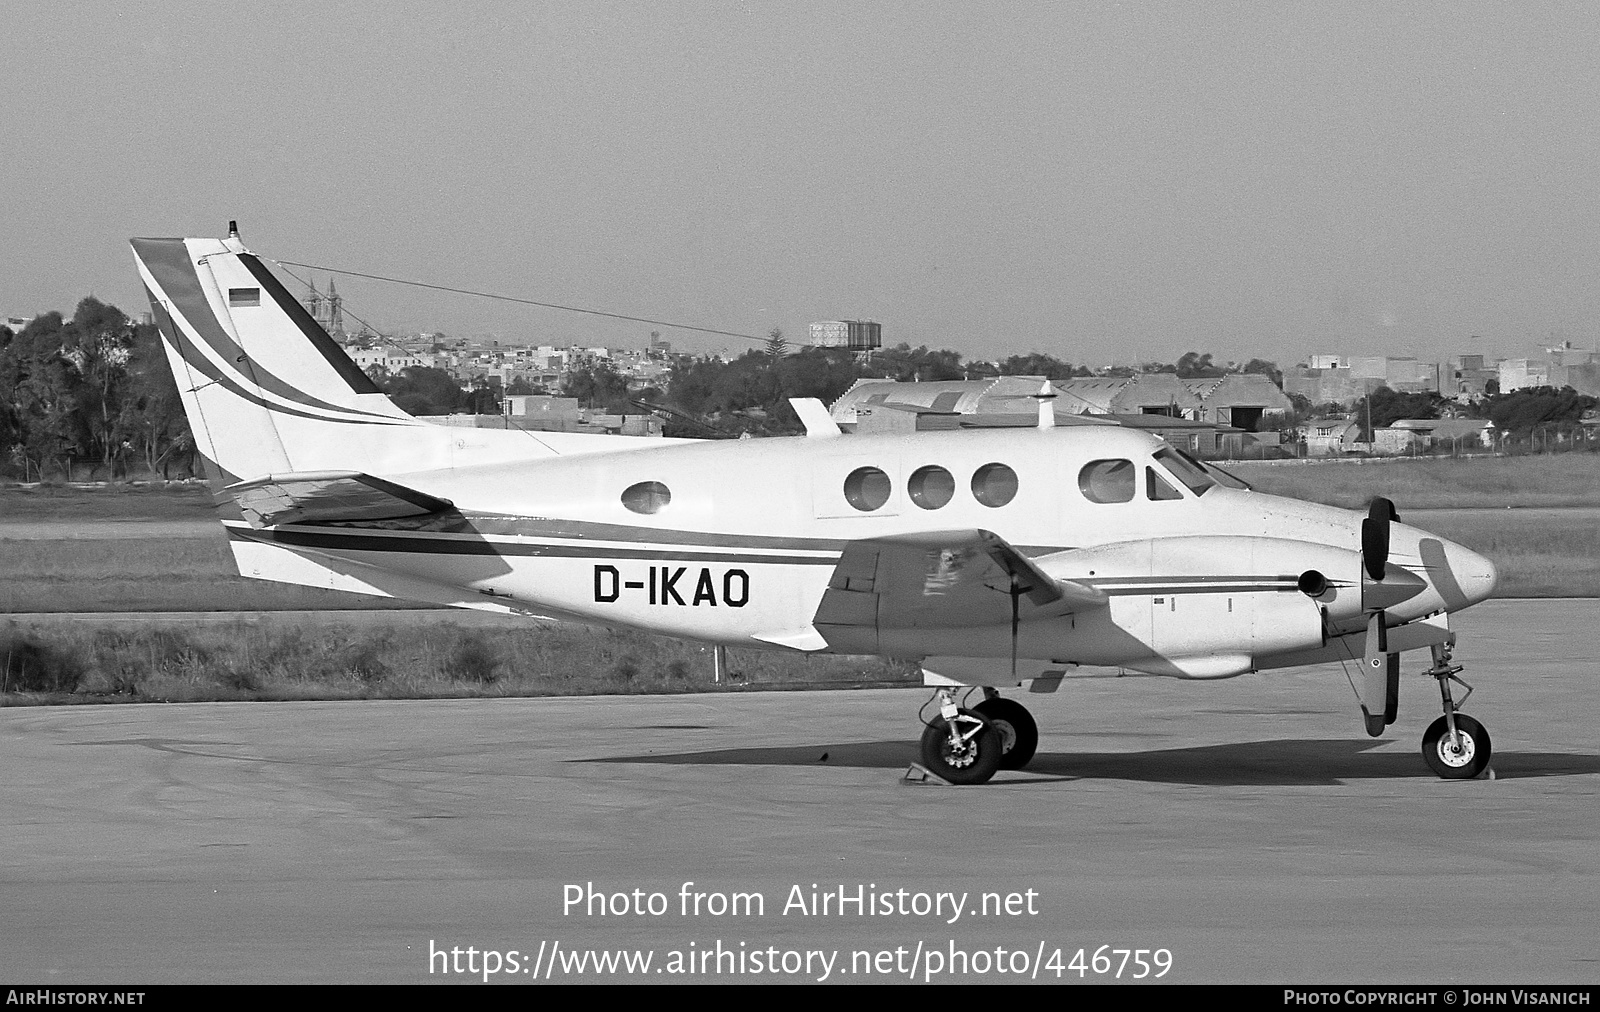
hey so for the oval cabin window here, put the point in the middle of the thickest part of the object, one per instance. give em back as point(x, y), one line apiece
point(647, 497)
point(994, 485)
point(1107, 481)
point(867, 489)
point(931, 487)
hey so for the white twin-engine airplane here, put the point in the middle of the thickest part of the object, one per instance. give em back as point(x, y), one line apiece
point(1000, 556)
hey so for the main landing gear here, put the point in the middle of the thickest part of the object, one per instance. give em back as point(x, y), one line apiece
point(1456, 747)
point(969, 746)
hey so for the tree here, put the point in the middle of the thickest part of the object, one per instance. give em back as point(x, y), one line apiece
point(691, 381)
point(599, 386)
point(1521, 410)
point(1389, 406)
point(1037, 364)
point(482, 401)
point(152, 416)
point(823, 373)
point(41, 386)
point(1265, 368)
point(920, 364)
point(95, 387)
point(1194, 365)
point(423, 390)
point(777, 347)
point(99, 343)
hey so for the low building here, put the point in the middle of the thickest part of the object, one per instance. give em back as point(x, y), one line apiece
point(388, 358)
point(1328, 437)
point(1242, 400)
point(1348, 383)
point(1523, 373)
point(1578, 368)
point(1150, 393)
point(557, 411)
point(1469, 377)
point(1450, 433)
point(542, 413)
point(880, 406)
point(1393, 441)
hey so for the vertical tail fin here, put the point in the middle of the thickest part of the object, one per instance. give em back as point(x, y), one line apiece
point(265, 388)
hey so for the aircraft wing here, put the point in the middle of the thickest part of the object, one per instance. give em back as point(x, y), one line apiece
point(939, 579)
point(320, 496)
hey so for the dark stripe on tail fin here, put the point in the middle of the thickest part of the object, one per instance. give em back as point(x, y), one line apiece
point(171, 266)
point(348, 371)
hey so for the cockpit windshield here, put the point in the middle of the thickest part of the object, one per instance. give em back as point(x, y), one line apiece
point(1186, 469)
point(1226, 478)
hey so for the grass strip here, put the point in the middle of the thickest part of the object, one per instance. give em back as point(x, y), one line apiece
point(242, 661)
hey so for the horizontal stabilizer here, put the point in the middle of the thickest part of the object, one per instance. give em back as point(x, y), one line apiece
point(302, 497)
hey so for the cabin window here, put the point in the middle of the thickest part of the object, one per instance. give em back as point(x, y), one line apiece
point(867, 489)
point(931, 487)
point(1186, 469)
point(1107, 481)
point(647, 497)
point(1156, 487)
point(994, 485)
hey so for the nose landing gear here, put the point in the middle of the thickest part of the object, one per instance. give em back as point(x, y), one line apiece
point(1456, 747)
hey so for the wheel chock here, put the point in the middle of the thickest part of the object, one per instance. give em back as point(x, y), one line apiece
point(920, 774)
point(1487, 774)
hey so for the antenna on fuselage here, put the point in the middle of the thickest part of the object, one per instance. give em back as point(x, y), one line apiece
point(1016, 598)
point(1047, 420)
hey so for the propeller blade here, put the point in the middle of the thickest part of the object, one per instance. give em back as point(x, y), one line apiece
point(1375, 536)
point(1376, 684)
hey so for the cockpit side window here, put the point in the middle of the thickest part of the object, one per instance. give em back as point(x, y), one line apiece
point(1185, 469)
point(1157, 488)
point(1107, 481)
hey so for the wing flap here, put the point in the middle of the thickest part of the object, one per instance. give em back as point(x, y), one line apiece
point(938, 579)
point(324, 496)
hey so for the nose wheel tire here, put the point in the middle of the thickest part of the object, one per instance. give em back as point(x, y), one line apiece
point(1451, 761)
point(1019, 734)
point(971, 760)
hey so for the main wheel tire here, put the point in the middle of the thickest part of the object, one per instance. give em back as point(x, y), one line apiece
point(974, 762)
point(1019, 734)
point(1469, 761)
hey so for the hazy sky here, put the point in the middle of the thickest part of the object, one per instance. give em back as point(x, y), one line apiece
point(1103, 182)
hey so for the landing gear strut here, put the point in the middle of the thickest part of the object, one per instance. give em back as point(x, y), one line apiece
point(968, 746)
point(1456, 747)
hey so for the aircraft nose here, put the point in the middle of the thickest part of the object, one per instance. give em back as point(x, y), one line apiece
point(1476, 574)
point(1465, 576)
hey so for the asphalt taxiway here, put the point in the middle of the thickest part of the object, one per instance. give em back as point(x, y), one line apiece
point(1248, 827)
